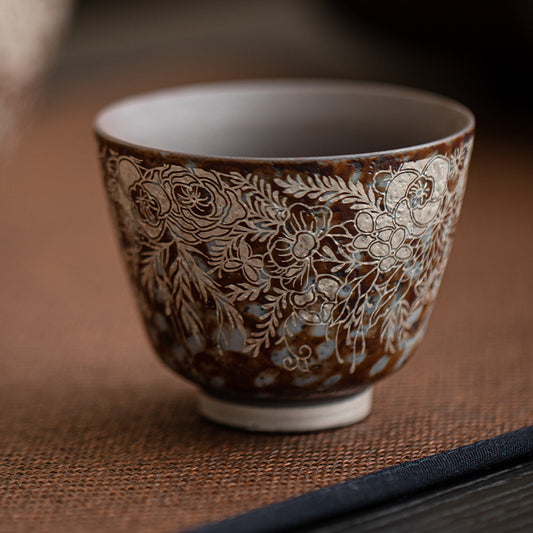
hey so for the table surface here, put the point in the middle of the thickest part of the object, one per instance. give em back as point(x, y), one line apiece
point(496, 503)
point(96, 434)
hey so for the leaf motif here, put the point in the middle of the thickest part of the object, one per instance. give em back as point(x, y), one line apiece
point(244, 291)
point(232, 265)
point(328, 189)
point(393, 330)
point(327, 251)
point(258, 189)
point(270, 321)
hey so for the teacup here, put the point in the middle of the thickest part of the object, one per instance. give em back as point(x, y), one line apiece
point(285, 239)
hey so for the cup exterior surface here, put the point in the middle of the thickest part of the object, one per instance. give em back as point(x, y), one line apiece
point(285, 280)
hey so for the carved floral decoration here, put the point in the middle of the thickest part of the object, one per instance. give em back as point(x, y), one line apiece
point(197, 239)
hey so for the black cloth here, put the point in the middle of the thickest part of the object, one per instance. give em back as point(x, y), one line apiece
point(384, 486)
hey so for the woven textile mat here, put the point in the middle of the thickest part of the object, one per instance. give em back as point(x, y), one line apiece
point(95, 434)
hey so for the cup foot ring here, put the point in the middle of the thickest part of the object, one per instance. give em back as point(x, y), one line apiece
point(287, 418)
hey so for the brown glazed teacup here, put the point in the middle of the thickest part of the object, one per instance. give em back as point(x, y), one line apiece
point(285, 239)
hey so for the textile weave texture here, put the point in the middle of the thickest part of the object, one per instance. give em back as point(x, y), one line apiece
point(95, 434)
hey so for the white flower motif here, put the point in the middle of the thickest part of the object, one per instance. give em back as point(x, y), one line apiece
point(414, 195)
point(381, 239)
point(243, 259)
point(203, 207)
point(298, 242)
point(314, 306)
point(144, 203)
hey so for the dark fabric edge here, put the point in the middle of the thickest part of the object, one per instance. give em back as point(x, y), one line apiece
point(401, 480)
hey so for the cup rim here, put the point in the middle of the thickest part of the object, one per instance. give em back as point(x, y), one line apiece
point(310, 84)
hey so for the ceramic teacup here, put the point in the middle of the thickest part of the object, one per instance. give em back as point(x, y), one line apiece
point(285, 239)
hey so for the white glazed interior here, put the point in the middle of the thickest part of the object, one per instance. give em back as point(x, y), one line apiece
point(284, 119)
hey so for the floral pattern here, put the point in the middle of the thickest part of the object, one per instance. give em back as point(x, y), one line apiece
point(203, 207)
point(206, 246)
point(295, 247)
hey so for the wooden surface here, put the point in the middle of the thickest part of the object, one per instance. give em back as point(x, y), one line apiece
point(499, 502)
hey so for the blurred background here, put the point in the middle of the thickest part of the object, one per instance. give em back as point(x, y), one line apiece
point(479, 54)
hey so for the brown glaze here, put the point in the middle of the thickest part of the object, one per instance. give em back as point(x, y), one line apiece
point(318, 267)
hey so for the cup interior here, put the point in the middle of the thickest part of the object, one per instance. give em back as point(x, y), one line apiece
point(284, 119)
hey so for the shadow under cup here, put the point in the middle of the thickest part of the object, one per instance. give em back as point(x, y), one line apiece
point(285, 239)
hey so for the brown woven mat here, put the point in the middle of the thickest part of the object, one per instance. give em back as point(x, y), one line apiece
point(95, 434)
